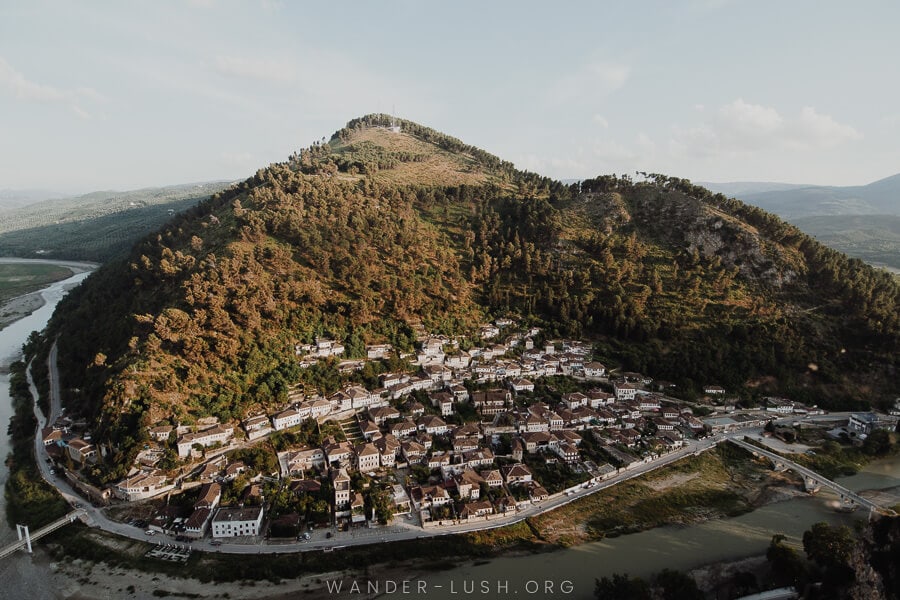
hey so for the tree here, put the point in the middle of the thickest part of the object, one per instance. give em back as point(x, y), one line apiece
point(621, 587)
point(381, 502)
point(831, 548)
point(677, 585)
point(787, 566)
point(878, 443)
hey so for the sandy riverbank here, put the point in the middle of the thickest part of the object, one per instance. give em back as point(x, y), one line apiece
point(37, 576)
point(21, 306)
point(18, 308)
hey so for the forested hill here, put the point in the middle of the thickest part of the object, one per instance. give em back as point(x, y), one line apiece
point(376, 235)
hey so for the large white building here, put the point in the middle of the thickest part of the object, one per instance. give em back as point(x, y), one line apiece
point(624, 391)
point(142, 486)
point(286, 418)
point(208, 437)
point(234, 522)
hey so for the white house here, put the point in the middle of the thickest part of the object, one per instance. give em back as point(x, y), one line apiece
point(368, 458)
point(522, 385)
point(217, 434)
point(594, 369)
point(286, 419)
point(624, 391)
point(142, 486)
point(257, 427)
point(234, 522)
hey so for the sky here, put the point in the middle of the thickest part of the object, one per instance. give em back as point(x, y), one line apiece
point(128, 94)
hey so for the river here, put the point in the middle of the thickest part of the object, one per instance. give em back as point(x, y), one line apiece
point(643, 554)
point(12, 337)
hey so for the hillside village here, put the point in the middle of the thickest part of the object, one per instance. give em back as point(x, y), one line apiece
point(464, 435)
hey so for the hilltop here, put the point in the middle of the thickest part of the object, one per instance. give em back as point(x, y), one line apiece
point(378, 236)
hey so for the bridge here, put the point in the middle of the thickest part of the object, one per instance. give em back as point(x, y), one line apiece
point(813, 481)
point(26, 539)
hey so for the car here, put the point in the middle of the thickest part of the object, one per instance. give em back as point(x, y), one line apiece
point(216, 543)
point(328, 535)
point(305, 536)
point(149, 532)
point(52, 472)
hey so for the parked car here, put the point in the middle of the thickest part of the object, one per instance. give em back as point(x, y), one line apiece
point(149, 532)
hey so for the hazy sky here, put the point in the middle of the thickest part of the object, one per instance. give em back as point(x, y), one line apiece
point(120, 95)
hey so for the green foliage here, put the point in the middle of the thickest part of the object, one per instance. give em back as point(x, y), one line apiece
point(554, 477)
point(676, 585)
point(259, 458)
point(787, 566)
point(621, 587)
point(29, 499)
point(831, 548)
point(879, 443)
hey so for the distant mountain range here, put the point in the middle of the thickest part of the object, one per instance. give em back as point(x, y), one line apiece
point(862, 221)
point(790, 201)
point(10, 199)
point(94, 226)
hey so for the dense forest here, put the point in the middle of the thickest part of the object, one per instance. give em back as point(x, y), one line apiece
point(665, 277)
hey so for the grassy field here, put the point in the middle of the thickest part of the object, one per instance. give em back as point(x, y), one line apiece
point(21, 279)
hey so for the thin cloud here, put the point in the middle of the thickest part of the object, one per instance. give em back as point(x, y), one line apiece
point(27, 90)
point(813, 128)
point(741, 127)
point(275, 71)
point(592, 80)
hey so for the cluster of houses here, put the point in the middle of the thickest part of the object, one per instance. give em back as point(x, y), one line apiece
point(206, 516)
point(386, 429)
point(66, 440)
point(476, 467)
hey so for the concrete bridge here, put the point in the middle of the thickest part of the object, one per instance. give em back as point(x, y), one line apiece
point(26, 537)
point(813, 481)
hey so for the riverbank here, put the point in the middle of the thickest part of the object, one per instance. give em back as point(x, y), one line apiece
point(19, 307)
